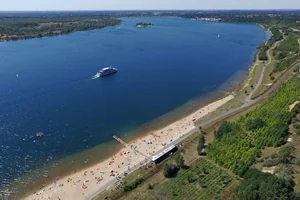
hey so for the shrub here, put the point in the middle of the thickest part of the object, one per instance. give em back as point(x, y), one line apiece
point(179, 161)
point(201, 143)
point(254, 124)
point(296, 161)
point(129, 187)
point(170, 170)
point(150, 186)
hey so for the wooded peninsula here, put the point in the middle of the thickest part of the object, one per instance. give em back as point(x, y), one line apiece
point(36, 27)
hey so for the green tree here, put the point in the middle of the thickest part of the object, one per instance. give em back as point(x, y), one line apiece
point(179, 161)
point(254, 124)
point(201, 143)
point(263, 186)
point(170, 170)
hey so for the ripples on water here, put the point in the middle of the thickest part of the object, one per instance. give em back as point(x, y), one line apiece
point(11, 142)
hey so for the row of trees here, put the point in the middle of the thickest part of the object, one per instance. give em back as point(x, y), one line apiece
point(238, 143)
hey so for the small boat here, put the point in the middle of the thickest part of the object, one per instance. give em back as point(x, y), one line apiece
point(107, 71)
point(39, 134)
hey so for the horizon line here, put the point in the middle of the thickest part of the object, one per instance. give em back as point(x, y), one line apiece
point(137, 10)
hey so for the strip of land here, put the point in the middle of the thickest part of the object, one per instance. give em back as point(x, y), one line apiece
point(36, 27)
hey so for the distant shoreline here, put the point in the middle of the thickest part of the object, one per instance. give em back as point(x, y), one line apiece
point(47, 27)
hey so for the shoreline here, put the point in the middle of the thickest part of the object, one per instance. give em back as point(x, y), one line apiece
point(60, 168)
point(223, 91)
point(86, 181)
point(250, 66)
point(216, 95)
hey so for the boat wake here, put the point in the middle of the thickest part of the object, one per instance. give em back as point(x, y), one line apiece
point(95, 76)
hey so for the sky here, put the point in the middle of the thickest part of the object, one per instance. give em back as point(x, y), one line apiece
point(45, 5)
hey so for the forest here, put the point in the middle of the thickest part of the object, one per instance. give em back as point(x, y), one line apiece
point(263, 186)
point(26, 28)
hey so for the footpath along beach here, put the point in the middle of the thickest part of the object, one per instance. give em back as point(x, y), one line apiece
point(84, 183)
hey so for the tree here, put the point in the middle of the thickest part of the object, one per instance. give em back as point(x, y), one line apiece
point(296, 108)
point(179, 161)
point(170, 170)
point(254, 124)
point(225, 127)
point(286, 173)
point(129, 187)
point(263, 186)
point(150, 186)
point(201, 143)
point(284, 154)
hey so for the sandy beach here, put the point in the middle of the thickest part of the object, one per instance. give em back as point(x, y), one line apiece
point(82, 184)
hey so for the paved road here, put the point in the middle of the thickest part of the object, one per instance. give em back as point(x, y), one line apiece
point(248, 102)
point(248, 98)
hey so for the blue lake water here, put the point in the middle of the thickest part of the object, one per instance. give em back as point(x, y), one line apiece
point(46, 84)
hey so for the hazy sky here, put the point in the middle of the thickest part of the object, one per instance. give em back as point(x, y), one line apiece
point(8, 5)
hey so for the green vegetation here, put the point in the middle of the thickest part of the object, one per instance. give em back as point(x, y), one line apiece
point(179, 161)
point(286, 63)
point(129, 187)
point(201, 143)
point(170, 170)
point(26, 28)
point(200, 181)
point(287, 53)
point(262, 53)
point(289, 45)
point(238, 143)
point(297, 69)
point(284, 156)
point(140, 24)
point(263, 186)
point(264, 47)
point(276, 36)
point(296, 108)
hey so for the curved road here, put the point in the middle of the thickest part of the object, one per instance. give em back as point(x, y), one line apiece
point(248, 102)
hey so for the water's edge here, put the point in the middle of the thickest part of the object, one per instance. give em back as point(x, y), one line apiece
point(87, 158)
point(81, 160)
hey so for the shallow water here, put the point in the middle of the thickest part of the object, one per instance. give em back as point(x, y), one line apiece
point(47, 84)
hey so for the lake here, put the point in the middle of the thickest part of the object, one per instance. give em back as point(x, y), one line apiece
point(47, 84)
